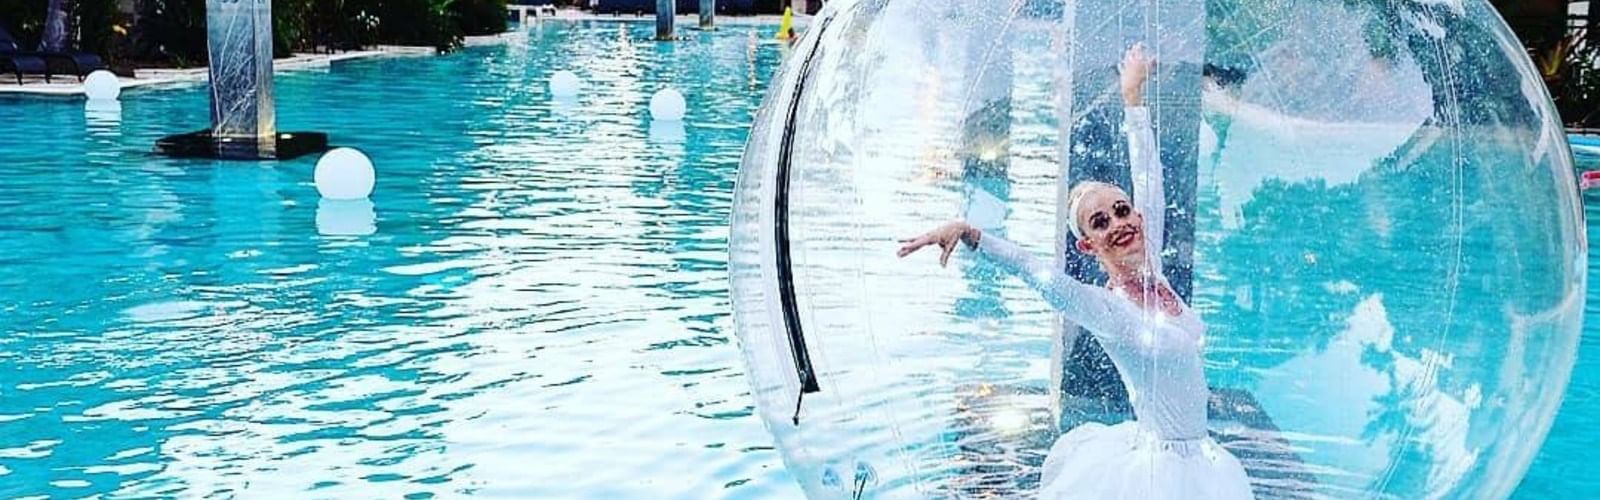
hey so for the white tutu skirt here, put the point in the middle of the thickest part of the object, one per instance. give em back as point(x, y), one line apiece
point(1126, 462)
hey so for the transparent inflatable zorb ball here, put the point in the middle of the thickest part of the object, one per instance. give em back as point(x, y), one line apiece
point(1369, 205)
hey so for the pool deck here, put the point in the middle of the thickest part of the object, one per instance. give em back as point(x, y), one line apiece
point(163, 77)
point(688, 21)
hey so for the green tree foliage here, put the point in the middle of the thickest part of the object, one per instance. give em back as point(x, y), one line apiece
point(1571, 69)
point(291, 26)
point(479, 17)
point(413, 22)
point(343, 24)
point(172, 32)
point(98, 30)
point(24, 19)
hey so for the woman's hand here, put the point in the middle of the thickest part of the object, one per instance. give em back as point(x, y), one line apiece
point(1135, 69)
point(946, 236)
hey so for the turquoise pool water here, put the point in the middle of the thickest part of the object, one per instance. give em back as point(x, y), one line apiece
point(542, 311)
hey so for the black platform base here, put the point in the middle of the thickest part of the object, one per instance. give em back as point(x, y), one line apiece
point(202, 144)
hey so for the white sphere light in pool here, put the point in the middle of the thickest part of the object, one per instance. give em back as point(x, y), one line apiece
point(565, 84)
point(102, 85)
point(668, 105)
point(344, 174)
point(1367, 205)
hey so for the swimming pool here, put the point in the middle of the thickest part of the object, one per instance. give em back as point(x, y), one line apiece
point(542, 312)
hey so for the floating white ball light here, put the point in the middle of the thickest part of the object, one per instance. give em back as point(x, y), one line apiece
point(668, 105)
point(344, 174)
point(102, 85)
point(565, 84)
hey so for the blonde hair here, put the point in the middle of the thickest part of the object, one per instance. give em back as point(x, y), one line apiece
point(1075, 201)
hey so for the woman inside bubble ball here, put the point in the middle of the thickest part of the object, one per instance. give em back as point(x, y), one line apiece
point(1152, 337)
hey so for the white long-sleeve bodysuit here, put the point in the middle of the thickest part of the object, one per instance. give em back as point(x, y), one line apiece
point(1164, 453)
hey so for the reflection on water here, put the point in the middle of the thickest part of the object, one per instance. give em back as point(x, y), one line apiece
point(103, 116)
point(565, 104)
point(667, 132)
point(346, 217)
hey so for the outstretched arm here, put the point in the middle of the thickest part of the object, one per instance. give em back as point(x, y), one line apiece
point(1085, 305)
point(1144, 154)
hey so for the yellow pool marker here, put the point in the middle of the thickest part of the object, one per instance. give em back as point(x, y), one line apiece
point(786, 28)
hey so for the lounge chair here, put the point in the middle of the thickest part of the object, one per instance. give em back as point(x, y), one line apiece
point(24, 65)
point(82, 63)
